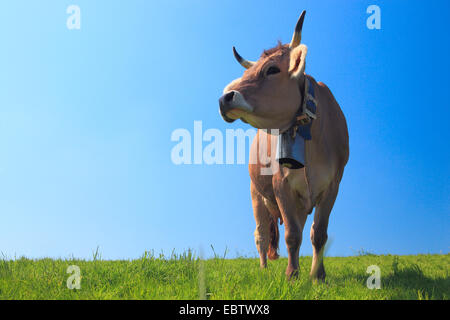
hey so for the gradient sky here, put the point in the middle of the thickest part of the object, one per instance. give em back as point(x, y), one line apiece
point(86, 118)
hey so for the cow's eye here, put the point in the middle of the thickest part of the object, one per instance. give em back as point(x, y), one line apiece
point(272, 70)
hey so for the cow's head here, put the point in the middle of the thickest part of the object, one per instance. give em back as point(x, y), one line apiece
point(267, 96)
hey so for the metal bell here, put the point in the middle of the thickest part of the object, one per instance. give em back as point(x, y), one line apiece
point(291, 149)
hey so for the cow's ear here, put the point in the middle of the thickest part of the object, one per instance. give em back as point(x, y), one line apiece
point(297, 61)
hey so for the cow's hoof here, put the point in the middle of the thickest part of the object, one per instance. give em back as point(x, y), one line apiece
point(291, 273)
point(319, 276)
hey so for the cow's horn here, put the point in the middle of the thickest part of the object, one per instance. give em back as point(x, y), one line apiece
point(245, 63)
point(297, 37)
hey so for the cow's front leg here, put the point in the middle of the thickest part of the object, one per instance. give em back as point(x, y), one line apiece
point(319, 234)
point(293, 237)
point(262, 231)
point(293, 212)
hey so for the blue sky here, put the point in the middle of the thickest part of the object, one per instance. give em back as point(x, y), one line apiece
point(86, 118)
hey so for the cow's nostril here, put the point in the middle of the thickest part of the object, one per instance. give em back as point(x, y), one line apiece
point(229, 96)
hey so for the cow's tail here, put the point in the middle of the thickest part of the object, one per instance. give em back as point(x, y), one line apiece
point(274, 239)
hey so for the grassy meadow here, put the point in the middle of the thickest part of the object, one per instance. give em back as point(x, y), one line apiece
point(187, 277)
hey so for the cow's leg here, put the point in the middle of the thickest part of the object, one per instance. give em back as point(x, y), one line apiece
point(262, 219)
point(294, 214)
point(319, 234)
point(293, 237)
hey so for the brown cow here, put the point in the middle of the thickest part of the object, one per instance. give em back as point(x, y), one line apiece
point(268, 96)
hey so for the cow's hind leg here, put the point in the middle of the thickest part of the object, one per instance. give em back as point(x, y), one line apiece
point(319, 234)
point(266, 228)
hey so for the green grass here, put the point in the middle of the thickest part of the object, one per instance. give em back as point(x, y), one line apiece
point(178, 277)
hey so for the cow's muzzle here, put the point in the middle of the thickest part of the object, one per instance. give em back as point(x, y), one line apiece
point(232, 100)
